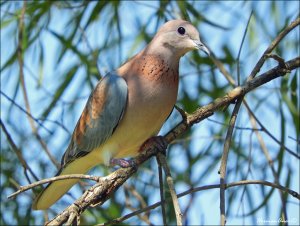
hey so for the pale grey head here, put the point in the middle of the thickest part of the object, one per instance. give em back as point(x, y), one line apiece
point(179, 37)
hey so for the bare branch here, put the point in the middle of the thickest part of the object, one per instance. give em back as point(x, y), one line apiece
point(223, 166)
point(162, 161)
point(269, 159)
point(141, 200)
point(272, 46)
point(161, 190)
point(223, 70)
point(18, 153)
point(240, 49)
point(23, 85)
point(27, 113)
point(277, 58)
point(203, 188)
point(264, 129)
point(102, 191)
point(207, 110)
point(236, 127)
point(48, 180)
point(182, 112)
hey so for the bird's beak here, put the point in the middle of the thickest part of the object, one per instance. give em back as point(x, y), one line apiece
point(201, 46)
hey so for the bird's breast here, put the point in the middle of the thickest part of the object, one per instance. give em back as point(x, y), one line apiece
point(152, 93)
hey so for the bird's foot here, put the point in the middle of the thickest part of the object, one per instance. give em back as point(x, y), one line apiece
point(123, 163)
point(158, 142)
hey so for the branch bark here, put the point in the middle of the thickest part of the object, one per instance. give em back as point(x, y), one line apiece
point(272, 46)
point(106, 186)
point(102, 191)
point(203, 188)
point(162, 161)
point(223, 167)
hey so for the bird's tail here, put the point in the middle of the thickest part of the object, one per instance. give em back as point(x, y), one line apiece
point(57, 189)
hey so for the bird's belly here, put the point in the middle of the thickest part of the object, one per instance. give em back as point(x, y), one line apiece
point(135, 128)
point(143, 119)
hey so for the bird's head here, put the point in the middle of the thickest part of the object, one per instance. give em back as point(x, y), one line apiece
point(179, 37)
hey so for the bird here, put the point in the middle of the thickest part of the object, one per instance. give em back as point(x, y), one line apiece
point(127, 108)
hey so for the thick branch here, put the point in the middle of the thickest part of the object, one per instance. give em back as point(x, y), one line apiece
point(102, 191)
point(207, 110)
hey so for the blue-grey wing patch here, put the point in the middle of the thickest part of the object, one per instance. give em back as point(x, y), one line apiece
point(103, 111)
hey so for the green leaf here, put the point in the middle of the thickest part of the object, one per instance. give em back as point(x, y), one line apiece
point(96, 12)
point(61, 89)
point(67, 44)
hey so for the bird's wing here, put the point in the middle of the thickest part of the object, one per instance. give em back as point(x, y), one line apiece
point(103, 111)
point(101, 115)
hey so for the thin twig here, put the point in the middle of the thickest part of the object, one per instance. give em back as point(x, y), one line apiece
point(182, 112)
point(48, 180)
point(141, 200)
point(264, 129)
point(294, 139)
point(269, 159)
point(256, 69)
point(240, 50)
point(161, 191)
point(235, 127)
point(222, 69)
point(271, 47)
point(18, 153)
point(27, 113)
point(247, 173)
point(203, 188)
point(223, 166)
point(279, 59)
point(23, 85)
point(162, 161)
point(136, 194)
point(100, 192)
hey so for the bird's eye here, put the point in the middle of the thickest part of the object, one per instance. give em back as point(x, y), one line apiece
point(181, 30)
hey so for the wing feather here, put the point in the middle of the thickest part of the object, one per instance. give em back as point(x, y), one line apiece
point(100, 117)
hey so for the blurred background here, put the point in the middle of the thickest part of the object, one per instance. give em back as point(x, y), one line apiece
point(54, 52)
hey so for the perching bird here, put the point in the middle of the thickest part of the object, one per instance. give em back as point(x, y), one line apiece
point(127, 107)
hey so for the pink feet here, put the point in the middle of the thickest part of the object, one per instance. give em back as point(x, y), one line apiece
point(159, 142)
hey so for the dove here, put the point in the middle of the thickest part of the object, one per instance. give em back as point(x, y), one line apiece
point(127, 108)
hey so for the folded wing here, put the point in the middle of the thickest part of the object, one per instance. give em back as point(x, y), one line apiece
point(101, 115)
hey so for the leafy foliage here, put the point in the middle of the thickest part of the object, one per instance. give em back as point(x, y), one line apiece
point(66, 46)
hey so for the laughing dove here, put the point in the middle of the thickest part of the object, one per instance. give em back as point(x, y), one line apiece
point(127, 107)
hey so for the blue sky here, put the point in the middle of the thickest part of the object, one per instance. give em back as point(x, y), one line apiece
point(207, 204)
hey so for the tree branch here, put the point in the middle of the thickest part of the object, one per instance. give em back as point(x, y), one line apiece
point(102, 191)
point(24, 90)
point(203, 188)
point(162, 161)
point(18, 153)
point(161, 191)
point(48, 180)
point(272, 46)
point(223, 166)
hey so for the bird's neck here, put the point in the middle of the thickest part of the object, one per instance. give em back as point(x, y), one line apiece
point(163, 52)
point(152, 66)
